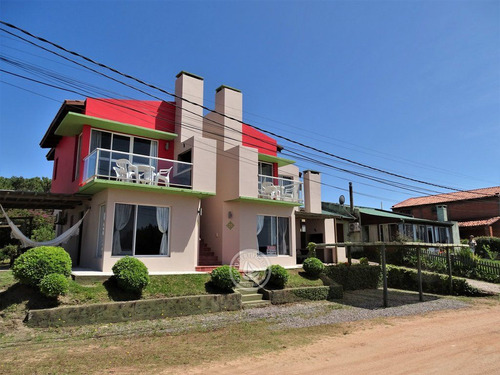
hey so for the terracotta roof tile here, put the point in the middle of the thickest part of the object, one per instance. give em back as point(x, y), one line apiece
point(479, 223)
point(450, 197)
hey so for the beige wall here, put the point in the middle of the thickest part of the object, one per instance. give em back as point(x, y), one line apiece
point(191, 114)
point(183, 230)
point(312, 192)
point(229, 102)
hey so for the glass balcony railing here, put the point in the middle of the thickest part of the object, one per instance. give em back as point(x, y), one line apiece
point(136, 169)
point(282, 189)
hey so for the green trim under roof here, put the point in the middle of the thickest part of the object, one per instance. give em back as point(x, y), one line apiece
point(72, 124)
point(275, 159)
point(97, 185)
point(391, 215)
point(265, 201)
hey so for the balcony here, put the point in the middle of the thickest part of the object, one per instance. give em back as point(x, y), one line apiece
point(134, 169)
point(280, 189)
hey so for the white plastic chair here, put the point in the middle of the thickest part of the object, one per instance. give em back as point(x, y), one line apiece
point(125, 171)
point(163, 175)
point(270, 191)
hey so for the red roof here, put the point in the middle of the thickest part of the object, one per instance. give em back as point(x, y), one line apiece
point(450, 197)
point(479, 223)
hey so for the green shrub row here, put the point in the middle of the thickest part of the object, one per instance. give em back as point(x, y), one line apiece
point(356, 276)
point(487, 245)
point(407, 278)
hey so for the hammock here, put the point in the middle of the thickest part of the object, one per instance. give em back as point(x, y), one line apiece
point(26, 242)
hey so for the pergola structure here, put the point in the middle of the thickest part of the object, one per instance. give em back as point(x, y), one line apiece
point(36, 200)
point(413, 245)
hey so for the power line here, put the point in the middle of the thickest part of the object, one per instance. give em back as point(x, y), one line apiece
point(227, 116)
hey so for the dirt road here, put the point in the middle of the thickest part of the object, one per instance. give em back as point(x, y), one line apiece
point(466, 341)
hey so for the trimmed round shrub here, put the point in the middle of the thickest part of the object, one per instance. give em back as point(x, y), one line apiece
point(54, 285)
point(224, 277)
point(278, 276)
point(313, 267)
point(131, 274)
point(36, 263)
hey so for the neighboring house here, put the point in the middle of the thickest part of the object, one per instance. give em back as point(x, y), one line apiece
point(372, 224)
point(477, 211)
point(178, 189)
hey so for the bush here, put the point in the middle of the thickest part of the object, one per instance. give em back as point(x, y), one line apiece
point(278, 276)
point(224, 277)
point(313, 267)
point(54, 285)
point(44, 233)
point(9, 252)
point(131, 274)
point(32, 266)
point(492, 242)
point(363, 261)
point(356, 276)
point(311, 250)
point(406, 278)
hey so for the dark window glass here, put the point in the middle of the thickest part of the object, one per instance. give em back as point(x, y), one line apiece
point(148, 236)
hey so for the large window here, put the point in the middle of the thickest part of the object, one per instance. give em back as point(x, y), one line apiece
point(273, 235)
point(123, 146)
point(265, 169)
point(141, 230)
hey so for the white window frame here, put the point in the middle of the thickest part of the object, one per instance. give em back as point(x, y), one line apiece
point(136, 205)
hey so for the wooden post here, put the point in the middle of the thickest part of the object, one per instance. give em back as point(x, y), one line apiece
point(384, 275)
point(349, 257)
point(450, 271)
point(419, 268)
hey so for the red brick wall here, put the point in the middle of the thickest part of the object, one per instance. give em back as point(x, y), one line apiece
point(459, 211)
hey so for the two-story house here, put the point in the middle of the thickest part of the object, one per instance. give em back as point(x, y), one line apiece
point(172, 186)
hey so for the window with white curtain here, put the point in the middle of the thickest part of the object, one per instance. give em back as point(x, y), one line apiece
point(141, 230)
point(273, 235)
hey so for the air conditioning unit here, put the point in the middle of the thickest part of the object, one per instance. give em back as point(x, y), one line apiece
point(354, 227)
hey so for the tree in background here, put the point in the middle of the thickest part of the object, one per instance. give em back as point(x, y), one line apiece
point(42, 221)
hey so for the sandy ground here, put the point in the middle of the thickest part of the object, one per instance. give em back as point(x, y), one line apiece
point(465, 341)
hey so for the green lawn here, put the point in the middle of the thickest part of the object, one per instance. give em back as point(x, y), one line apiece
point(298, 278)
point(15, 298)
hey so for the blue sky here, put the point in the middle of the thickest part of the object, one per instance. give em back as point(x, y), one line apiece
point(412, 87)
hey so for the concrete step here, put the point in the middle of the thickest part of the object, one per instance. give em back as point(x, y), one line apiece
point(246, 284)
point(253, 290)
point(254, 304)
point(251, 297)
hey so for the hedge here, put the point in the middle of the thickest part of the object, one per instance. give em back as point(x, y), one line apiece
point(356, 276)
point(313, 293)
point(407, 278)
point(492, 242)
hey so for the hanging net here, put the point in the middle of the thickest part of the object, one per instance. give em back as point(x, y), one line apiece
point(26, 242)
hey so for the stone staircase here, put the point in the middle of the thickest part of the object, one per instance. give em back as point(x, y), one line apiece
point(250, 296)
point(207, 260)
